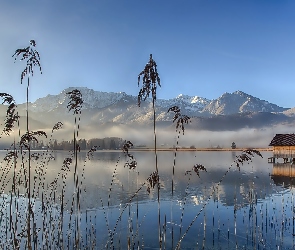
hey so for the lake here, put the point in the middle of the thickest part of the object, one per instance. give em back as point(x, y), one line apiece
point(104, 204)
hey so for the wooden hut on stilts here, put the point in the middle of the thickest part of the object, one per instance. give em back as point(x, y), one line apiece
point(283, 148)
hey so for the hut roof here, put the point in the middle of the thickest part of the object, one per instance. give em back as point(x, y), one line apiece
point(283, 140)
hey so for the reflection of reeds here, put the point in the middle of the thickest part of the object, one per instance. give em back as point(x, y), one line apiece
point(245, 156)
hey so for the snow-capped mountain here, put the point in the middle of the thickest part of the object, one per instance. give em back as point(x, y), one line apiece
point(185, 102)
point(97, 100)
point(239, 102)
point(91, 99)
point(228, 103)
point(121, 108)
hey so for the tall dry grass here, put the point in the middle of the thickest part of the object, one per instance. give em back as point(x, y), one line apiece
point(36, 218)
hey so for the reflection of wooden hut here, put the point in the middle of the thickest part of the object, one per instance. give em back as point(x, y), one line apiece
point(284, 181)
point(283, 174)
point(283, 169)
point(283, 147)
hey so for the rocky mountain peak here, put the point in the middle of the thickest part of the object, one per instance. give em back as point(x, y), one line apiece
point(240, 93)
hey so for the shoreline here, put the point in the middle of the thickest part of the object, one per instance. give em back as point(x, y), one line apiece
point(200, 149)
point(165, 149)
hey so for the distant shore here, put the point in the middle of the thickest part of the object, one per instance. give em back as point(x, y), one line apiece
point(199, 149)
point(167, 149)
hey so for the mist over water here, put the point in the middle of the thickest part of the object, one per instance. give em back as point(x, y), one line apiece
point(142, 134)
point(246, 137)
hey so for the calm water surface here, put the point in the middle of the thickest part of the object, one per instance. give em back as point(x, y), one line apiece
point(251, 208)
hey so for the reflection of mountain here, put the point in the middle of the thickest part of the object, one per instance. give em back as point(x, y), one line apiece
point(102, 172)
point(283, 174)
point(238, 188)
point(231, 223)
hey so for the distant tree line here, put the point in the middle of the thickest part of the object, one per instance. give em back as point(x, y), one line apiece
point(4, 145)
point(101, 143)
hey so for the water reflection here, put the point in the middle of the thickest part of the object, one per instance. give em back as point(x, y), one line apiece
point(233, 155)
point(283, 174)
point(251, 207)
point(101, 171)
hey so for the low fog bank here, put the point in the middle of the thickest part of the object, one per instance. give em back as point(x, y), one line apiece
point(207, 139)
point(167, 137)
point(224, 139)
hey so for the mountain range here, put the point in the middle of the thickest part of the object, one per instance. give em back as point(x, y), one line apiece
point(230, 111)
point(227, 104)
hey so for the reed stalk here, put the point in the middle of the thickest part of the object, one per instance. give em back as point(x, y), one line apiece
point(150, 81)
point(32, 57)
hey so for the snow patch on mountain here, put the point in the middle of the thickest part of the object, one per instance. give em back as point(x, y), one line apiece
point(190, 103)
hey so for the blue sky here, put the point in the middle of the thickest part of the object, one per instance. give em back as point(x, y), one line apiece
point(202, 47)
